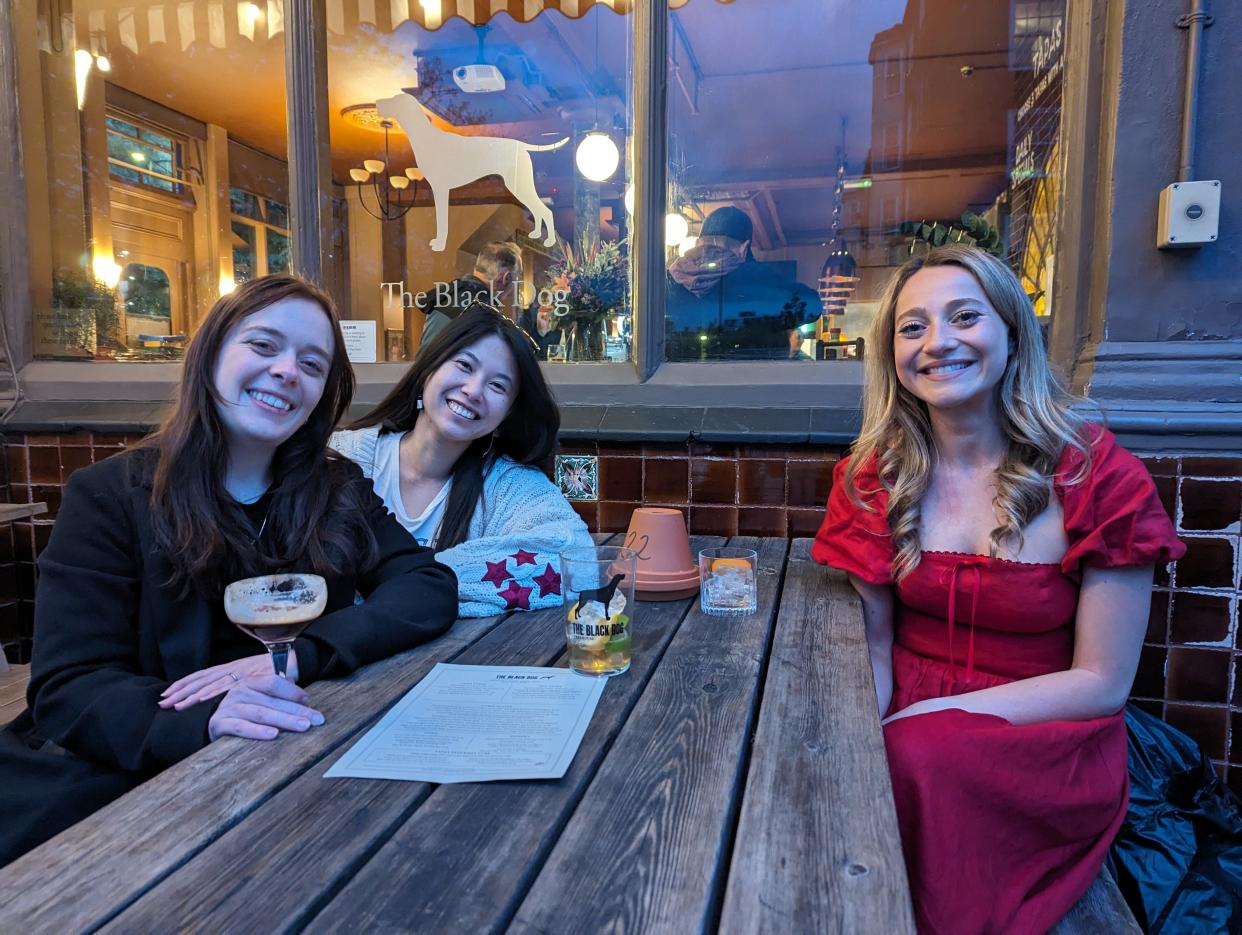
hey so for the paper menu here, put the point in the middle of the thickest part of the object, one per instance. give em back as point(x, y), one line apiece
point(477, 724)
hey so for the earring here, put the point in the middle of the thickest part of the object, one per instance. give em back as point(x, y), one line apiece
point(418, 403)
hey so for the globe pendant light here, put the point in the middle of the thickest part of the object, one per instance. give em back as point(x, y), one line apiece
point(597, 156)
point(676, 229)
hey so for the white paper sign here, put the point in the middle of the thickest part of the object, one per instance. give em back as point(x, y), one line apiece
point(476, 724)
point(359, 341)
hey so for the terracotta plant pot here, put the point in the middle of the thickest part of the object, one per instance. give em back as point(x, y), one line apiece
point(666, 570)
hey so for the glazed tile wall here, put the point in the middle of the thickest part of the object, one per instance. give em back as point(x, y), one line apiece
point(1190, 672)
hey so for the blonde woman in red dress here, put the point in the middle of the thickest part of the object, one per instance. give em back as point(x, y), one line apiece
point(1004, 551)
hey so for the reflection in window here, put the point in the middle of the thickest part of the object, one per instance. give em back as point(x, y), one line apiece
point(245, 254)
point(261, 247)
point(146, 292)
point(521, 120)
point(809, 162)
point(143, 157)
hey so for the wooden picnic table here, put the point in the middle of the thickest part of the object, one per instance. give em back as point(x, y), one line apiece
point(734, 781)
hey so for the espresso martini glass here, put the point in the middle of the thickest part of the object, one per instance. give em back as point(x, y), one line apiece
point(275, 609)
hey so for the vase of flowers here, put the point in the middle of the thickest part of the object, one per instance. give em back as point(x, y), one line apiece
point(593, 282)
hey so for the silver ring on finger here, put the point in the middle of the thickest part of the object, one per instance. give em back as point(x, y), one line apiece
point(234, 677)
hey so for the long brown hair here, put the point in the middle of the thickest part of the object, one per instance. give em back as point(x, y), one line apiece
point(316, 517)
point(1034, 407)
point(527, 435)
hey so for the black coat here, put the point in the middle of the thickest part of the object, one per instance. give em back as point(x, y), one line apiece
point(110, 636)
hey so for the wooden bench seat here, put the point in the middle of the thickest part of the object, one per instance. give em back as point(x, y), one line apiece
point(1102, 909)
point(13, 682)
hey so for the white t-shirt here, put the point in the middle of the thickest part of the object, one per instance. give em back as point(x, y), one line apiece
point(387, 480)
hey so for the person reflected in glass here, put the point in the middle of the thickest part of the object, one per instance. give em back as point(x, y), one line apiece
point(538, 322)
point(1003, 549)
point(462, 453)
point(495, 281)
point(722, 302)
point(135, 663)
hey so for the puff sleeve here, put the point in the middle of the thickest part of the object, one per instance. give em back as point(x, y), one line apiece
point(1113, 516)
point(851, 538)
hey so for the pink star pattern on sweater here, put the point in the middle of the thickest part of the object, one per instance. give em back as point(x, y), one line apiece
point(497, 573)
point(522, 557)
point(549, 582)
point(516, 597)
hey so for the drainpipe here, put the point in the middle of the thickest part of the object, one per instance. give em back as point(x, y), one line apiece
point(1194, 22)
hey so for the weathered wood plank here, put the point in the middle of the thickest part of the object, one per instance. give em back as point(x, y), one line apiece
point(13, 682)
point(234, 885)
point(646, 848)
point(14, 511)
point(817, 846)
point(1101, 909)
point(316, 831)
point(493, 835)
point(111, 858)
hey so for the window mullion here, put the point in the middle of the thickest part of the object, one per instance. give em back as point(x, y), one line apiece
point(306, 101)
point(649, 165)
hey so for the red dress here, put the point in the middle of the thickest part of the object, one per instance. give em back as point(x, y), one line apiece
point(1003, 827)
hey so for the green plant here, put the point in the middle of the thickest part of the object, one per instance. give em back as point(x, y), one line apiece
point(970, 229)
point(75, 289)
point(85, 311)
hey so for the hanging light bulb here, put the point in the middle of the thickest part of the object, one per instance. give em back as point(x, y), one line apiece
point(629, 198)
point(676, 228)
point(597, 157)
point(102, 63)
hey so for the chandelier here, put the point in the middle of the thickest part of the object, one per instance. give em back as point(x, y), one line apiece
point(388, 194)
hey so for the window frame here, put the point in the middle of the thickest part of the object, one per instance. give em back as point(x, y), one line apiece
point(647, 379)
point(261, 226)
point(176, 151)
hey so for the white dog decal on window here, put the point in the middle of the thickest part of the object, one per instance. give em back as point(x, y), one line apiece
point(449, 160)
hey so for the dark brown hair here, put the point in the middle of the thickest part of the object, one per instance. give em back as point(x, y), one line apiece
point(527, 434)
point(316, 517)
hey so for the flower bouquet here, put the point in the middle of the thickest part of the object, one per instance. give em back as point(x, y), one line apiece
point(593, 282)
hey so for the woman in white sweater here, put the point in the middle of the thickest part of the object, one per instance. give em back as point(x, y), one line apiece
point(461, 452)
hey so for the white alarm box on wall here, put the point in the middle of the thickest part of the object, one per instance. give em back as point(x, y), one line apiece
point(1189, 215)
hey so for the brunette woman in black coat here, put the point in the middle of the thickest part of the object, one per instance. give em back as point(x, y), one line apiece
point(135, 665)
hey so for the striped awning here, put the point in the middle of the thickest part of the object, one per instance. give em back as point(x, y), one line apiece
point(217, 22)
point(431, 14)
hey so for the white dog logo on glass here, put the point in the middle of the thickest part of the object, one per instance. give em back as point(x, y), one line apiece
point(449, 160)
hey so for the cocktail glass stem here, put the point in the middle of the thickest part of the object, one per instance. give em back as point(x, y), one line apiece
point(280, 657)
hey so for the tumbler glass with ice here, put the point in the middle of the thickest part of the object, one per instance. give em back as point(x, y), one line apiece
point(727, 580)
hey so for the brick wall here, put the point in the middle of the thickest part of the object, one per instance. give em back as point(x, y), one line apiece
point(1188, 673)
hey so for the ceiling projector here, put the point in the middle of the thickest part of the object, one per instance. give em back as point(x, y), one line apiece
point(478, 79)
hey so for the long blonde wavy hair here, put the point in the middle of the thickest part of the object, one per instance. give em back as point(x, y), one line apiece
point(1034, 407)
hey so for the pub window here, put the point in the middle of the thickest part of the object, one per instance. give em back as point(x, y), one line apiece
point(134, 117)
point(808, 162)
point(804, 163)
point(467, 129)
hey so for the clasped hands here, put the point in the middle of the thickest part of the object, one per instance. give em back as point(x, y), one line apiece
point(258, 704)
